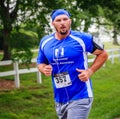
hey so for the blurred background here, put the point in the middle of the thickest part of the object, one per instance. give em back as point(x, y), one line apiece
point(24, 92)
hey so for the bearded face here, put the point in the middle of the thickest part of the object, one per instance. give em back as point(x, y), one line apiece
point(62, 24)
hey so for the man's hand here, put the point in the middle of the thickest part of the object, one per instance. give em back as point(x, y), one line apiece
point(47, 70)
point(84, 74)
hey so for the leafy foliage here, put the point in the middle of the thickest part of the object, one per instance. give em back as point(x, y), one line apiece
point(35, 15)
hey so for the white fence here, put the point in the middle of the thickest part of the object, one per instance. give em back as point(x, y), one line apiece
point(16, 71)
point(113, 53)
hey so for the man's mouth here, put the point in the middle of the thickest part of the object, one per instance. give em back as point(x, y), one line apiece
point(63, 28)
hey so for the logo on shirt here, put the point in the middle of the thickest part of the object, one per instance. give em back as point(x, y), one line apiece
point(59, 52)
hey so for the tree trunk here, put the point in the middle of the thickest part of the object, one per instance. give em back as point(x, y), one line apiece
point(6, 52)
point(6, 49)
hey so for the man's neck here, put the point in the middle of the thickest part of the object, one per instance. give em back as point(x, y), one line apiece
point(61, 36)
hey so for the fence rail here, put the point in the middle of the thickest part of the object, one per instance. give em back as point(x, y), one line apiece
point(113, 53)
point(17, 71)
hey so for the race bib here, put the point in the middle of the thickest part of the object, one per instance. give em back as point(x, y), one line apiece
point(62, 80)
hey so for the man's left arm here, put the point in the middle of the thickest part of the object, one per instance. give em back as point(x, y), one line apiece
point(101, 57)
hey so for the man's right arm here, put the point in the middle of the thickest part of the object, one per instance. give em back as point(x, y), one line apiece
point(45, 69)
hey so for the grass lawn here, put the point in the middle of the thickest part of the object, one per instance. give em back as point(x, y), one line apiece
point(106, 85)
point(35, 101)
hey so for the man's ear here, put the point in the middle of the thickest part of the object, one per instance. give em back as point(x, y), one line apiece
point(52, 23)
point(70, 21)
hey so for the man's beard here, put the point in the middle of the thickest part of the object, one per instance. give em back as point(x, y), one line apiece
point(64, 33)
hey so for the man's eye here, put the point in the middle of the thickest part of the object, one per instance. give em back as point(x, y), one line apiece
point(58, 20)
point(65, 19)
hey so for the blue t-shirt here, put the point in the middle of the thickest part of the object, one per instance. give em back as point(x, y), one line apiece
point(65, 56)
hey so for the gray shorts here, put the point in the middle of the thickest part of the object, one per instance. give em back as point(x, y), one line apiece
point(77, 109)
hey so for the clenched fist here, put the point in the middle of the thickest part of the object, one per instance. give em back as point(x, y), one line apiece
point(84, 74)
point(47, 70)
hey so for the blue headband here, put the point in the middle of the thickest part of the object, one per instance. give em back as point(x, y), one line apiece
point(55, 13)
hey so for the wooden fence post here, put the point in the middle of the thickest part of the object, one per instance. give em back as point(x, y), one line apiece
point(39, 79)
point(112, 55)
point(16, 69)
point(119, 53)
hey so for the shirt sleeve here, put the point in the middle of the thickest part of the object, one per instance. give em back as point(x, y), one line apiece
point(41, 57)
point(97, 44)
point(88, 40)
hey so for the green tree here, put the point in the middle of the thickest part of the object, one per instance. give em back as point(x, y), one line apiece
point(11, 16)
point(112, 14)
point(95, 10)
point(34, 14)
point(14, 13)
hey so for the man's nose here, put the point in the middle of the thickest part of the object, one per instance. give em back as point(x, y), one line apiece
point(62, 21)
